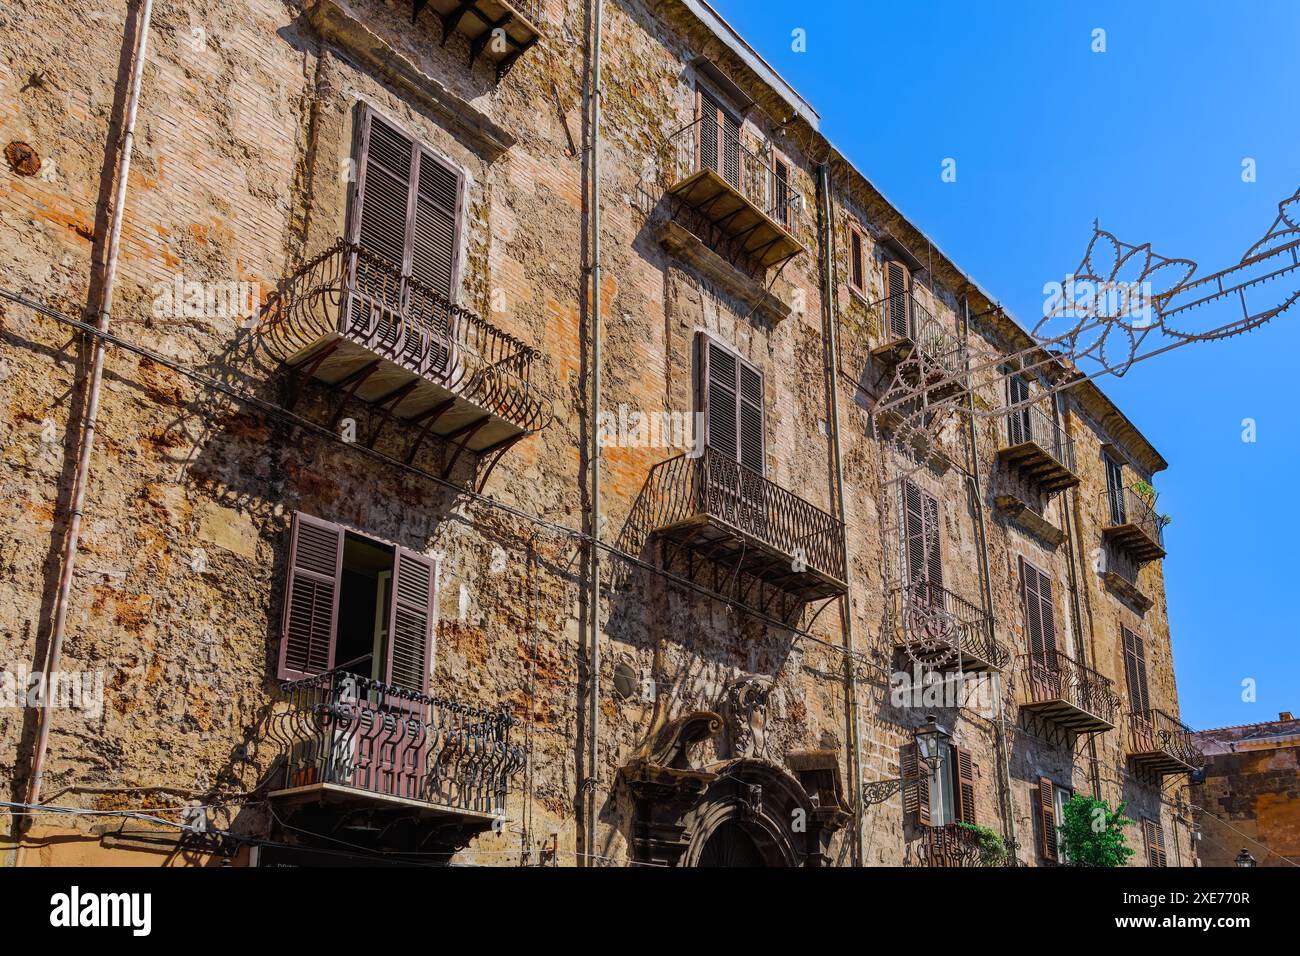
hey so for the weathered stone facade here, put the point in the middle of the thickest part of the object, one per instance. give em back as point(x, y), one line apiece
point(740, 715)
point(1249, 795)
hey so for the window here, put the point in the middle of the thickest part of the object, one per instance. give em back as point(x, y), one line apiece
point(898, 285)
point(857, 261)
point(936, 796)
point(1040, 615)
point(406, 210)
point(782, 206)
point(1115, 490)
point(1051, 819)
point(358, 605)
point(1153, 835)
point(731, 393)
point(1135, 671)
point(921, 534)
point(719, 138)
point(1020, 428)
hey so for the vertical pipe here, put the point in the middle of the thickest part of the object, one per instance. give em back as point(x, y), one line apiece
point(82, 473)
point(593, 723)
point(852, 715)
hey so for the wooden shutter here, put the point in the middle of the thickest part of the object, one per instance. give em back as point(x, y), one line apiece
point(781, 210)
point(1115, 490)
point(916, 784)
point(311, 602)
point(411, 620)
point(1153, 835)
point(719, 138)
point(1047, 820)
point(896, 287)
point(934, 553)
point(732, 391)
point(1135, 671)
point(1018, 422)
point(922, 536)
point(963, 786)
point(1040, 614)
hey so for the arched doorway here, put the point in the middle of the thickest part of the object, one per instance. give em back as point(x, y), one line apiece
point(730, 845)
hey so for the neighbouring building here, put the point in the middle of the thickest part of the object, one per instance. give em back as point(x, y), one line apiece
point(353, 577)
point(1247, 796)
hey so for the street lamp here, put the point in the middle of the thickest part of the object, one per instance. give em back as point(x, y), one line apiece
point(1245, 859)
point(931, 742)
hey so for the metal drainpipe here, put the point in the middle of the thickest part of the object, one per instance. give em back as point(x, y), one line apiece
point(852, 716)
point(593, 746)
point(52, 658)
point(1070, 538)
point(986, 588)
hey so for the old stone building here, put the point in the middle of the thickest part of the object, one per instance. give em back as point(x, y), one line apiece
point(1247, 797)
point(489, 470)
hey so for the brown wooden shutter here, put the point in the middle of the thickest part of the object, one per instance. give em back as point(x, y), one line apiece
point(781, 210)
point(1153, 835)
point(732, 391)
point(896, 286)
point(914, 532)
point(857, 264)
point(916, 784)
point(1135, 671)
point(1047, 820)
point(311, 602)
point(1019, 425)
point(1047, 615)
point(1040, 615)
point(963, 786)
point(934, 553)
point(411, 620)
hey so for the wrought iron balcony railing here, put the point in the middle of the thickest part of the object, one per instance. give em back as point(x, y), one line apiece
point(909, 327)
point(1132, 524)
point(747, 522)
point(353, 320)
point(1163, 743)
point(339, 730)
point(935, 624)
point(1038, 447)
point(745, 197)
point(1068, 693)
point(953, 845)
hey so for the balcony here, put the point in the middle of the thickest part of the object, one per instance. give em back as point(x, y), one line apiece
point(501, 30)
point(1036, 448)
point(358, 744)
point(353, 321)
point(1065, 692)
point(1132, 525)
point(913, 333)
point(938, 627)
point(736, 200)
point(951, 845)
point(1162, 744)
point(741, 522)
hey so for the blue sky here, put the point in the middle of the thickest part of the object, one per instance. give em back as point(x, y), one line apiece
point(1149, 137)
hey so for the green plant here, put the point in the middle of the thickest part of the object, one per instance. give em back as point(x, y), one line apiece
point(1144, 489)
point(1092, 834)
point(992, 851)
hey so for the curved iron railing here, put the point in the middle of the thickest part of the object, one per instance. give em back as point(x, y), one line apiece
point(350, 290)
point(934, 617)
point(1126, 506)
point(1154, 731)
point(719, 487)
point(955, 845)
point(1055, 677)
point(750, 173)
point(1031, 424)
point(904, 317)
point(339, 728)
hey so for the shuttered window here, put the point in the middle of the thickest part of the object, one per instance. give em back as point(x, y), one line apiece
point(732, 393)
point(315, 583)
point(719, 134)
point(311, 602)
point(406, 210)
point(1135, 671)
point(897, 285)
point(963, 786)
point(1040, 615)
point(922, 536)
point(1153, 835)
point(782, 211)
point(1047, 836)
point(1018, 422)
point(915, 772)
point(857, 261)
point(1115, 490)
